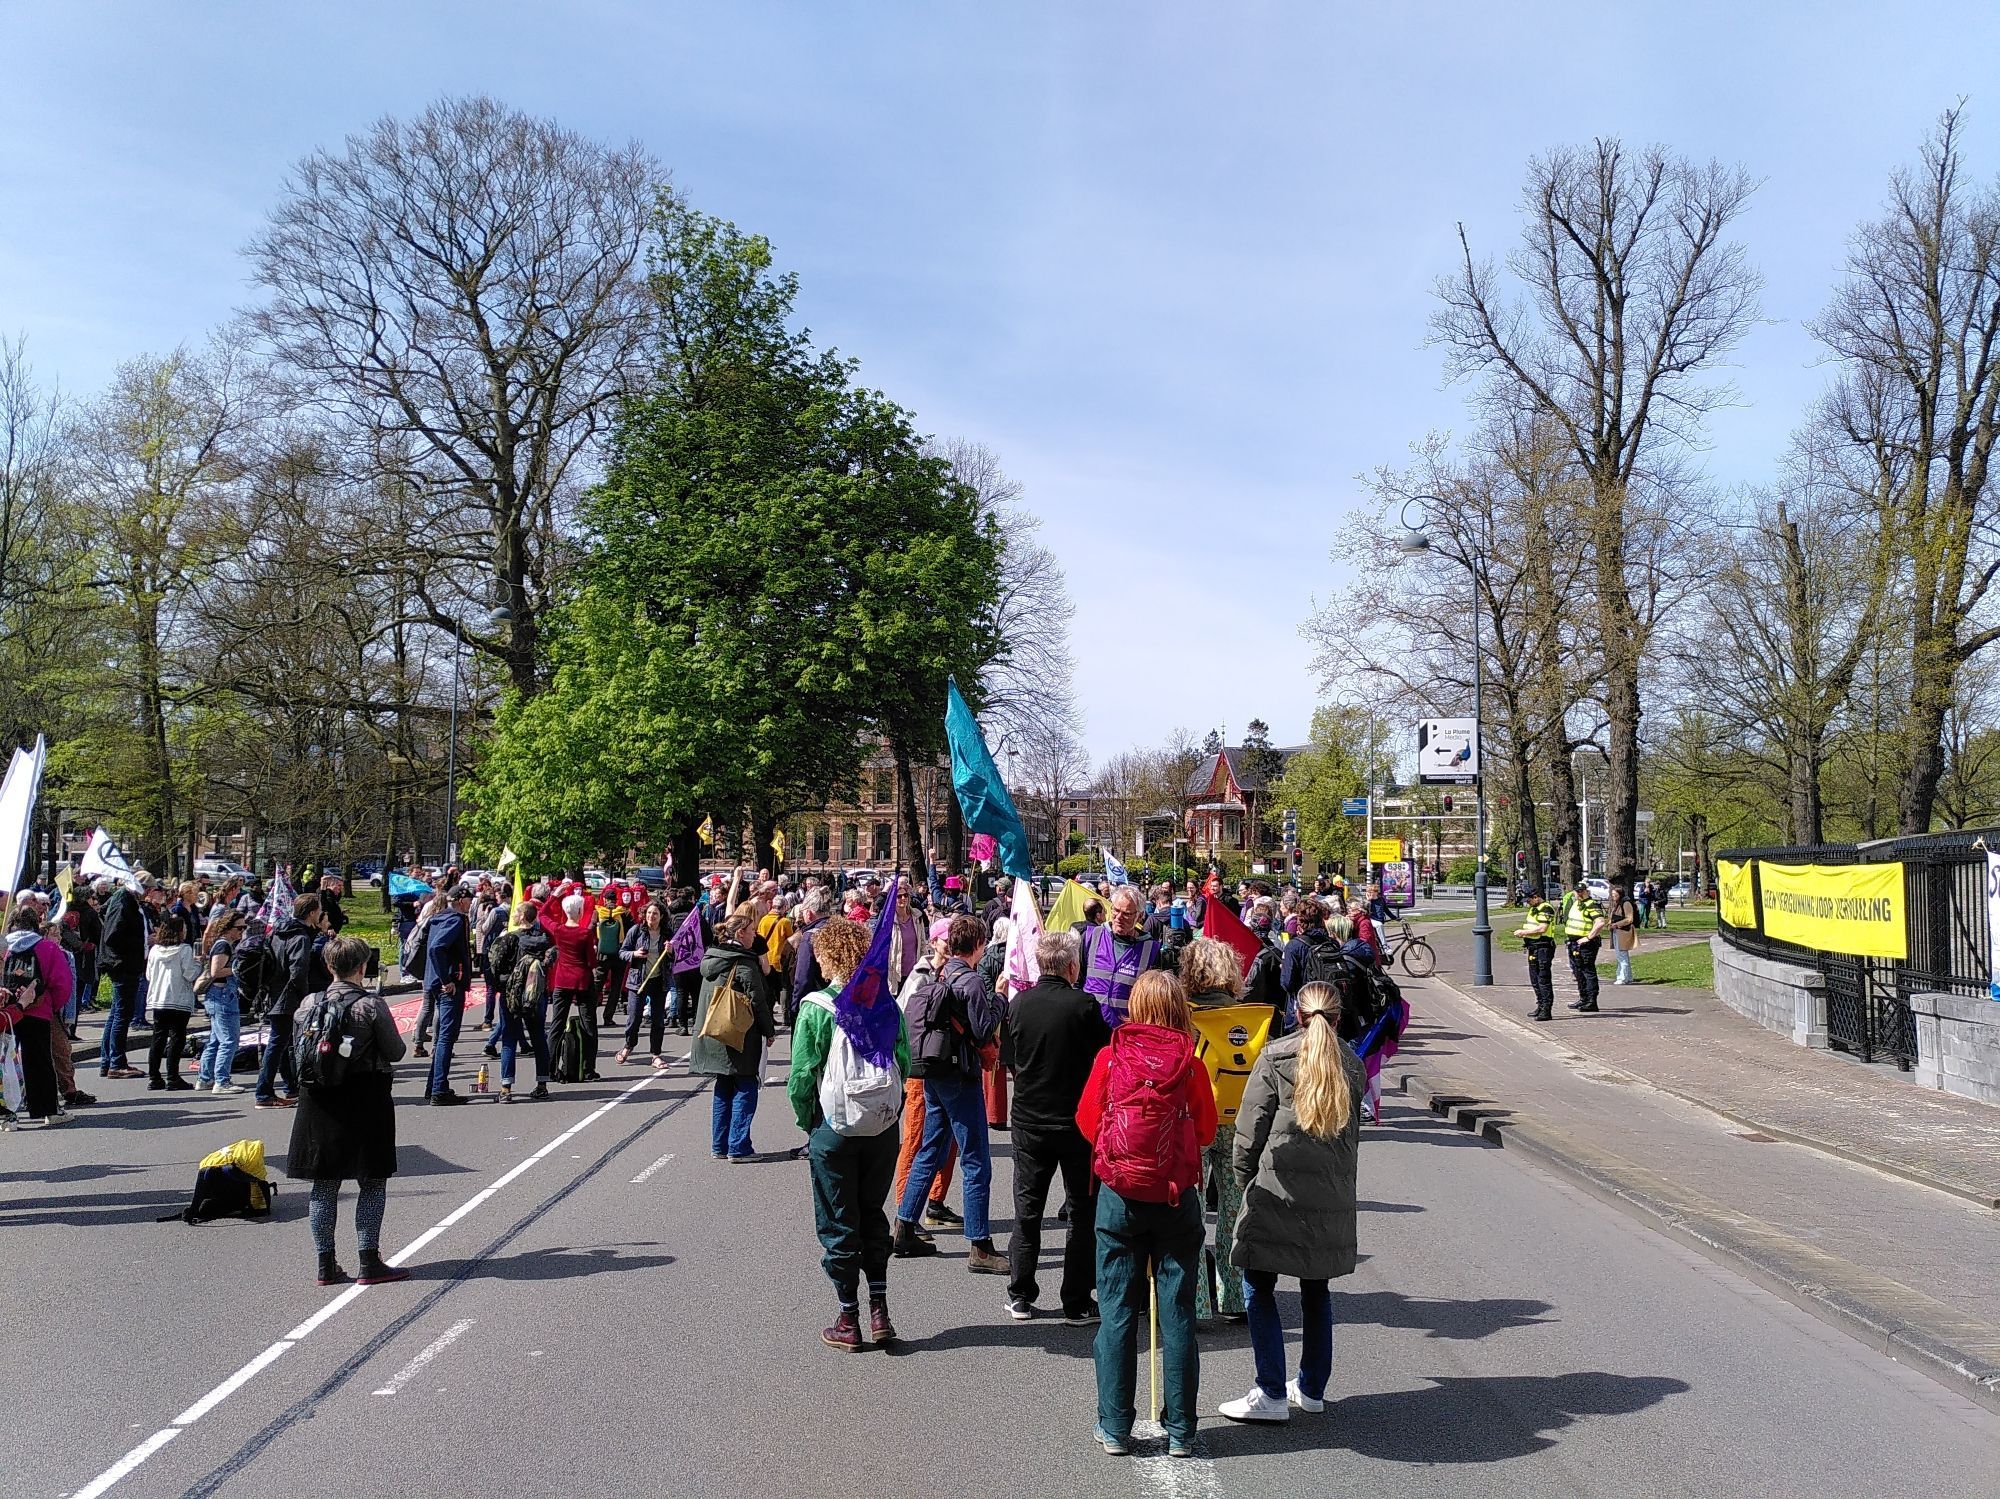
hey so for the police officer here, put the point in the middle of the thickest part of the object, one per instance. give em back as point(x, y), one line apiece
point(1538, 936)
point(1583, 933)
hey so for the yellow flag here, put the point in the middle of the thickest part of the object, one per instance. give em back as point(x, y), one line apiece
point(1068, 909)
point(519, 895)
point(778, 846)
point(706, 832)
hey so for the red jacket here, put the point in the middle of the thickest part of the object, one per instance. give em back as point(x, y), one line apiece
point(1200, 1101)
point(576, 946)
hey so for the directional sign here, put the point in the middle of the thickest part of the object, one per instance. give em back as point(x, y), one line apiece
point(1355, 806)
point(1384, 850)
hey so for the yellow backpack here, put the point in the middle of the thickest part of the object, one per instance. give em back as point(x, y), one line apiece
point(1227, 1040)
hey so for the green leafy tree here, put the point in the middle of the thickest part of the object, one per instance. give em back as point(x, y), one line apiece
point(1319, 778)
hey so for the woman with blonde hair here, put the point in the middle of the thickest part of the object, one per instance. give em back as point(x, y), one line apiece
point(1298, 1139)
point(1149, 1112)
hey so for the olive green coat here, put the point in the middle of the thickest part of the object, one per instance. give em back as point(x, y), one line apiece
point(1298, 1189)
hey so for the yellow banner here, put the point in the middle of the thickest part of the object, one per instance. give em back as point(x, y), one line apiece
point(1739, 902)
point(1384, 850)
point(1844, 908)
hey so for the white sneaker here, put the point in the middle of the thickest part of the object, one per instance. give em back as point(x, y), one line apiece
point(1256, 1406)
point(1300, 1401)
point(227, 1088)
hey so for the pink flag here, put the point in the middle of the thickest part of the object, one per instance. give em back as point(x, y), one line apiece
point(1023, 967)
point(980, 847)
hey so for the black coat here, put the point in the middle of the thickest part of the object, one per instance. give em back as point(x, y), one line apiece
point(348, 1133)
point(123, 952)
point(297, 968)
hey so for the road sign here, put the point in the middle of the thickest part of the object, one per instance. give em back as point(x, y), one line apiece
point(1384, 850)
point(1354, 806)
point(1447, 752)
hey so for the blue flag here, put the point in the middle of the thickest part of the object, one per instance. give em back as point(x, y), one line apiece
point(866, 1008)
point(982, 794)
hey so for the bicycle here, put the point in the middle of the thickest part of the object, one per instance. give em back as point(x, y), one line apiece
point(1418, 957)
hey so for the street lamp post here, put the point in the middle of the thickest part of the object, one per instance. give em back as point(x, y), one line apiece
point(1413, 542)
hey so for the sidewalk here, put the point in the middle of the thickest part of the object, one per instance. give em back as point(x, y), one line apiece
point(1673, 1108)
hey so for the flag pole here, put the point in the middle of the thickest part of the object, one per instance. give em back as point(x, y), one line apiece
point(1153, 1353)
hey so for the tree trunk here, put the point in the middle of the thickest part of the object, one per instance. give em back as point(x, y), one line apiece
point(1528, 835)
point(1933, 668)
point(763, 826)
point(1566, 840)
point(685, 846)
point(954, 830)
point(906, 813)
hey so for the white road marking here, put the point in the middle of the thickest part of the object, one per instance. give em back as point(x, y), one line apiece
point(415, 1366)
point(641, 1177)
point(119, 1471)
point(1161, 1477)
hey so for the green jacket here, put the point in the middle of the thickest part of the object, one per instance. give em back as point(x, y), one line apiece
point(708, 1057)
point(812, 1039)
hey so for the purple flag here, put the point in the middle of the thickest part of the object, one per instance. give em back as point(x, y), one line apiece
point(688, 942)
point(865, 1008)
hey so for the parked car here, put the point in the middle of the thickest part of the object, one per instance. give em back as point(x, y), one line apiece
point(219, 870)
point(595, 878)
point(652, 876)
point(1598, 886)
point(1682, 892)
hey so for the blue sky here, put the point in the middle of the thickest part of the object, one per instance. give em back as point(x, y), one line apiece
point(1171, 261)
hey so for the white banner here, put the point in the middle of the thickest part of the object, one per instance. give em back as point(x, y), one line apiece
point(1993, 924)
point(18, 793)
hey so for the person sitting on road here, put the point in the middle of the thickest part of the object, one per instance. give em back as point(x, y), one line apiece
point(347, 1131)
point(854, 1154)
point(1296, 1146)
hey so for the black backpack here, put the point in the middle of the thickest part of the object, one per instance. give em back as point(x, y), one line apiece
point(1325, 964)
point(572, 1051)
point(328, 1041)
point(415, 956)
point(528, 981)
point(21, 976)
point(226, 1192)
point(251, 963)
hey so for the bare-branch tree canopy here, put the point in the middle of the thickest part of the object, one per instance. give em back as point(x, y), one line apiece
point(465, 291)
point(1917, 325)
point(1631, 294)
point(1028, 688)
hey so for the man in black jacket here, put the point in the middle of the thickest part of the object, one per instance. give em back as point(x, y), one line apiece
point(127, 923)
point(298, 970)
point(1055, 1032)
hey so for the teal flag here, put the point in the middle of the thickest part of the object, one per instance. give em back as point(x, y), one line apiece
point(982, 794)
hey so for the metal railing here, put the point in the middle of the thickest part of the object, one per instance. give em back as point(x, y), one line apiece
point(1945, 929)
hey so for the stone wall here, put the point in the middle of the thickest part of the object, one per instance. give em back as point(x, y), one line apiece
point(1781, 997)
point(1958, 1045)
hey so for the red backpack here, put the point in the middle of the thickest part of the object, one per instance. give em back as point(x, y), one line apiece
point(1146, 1148)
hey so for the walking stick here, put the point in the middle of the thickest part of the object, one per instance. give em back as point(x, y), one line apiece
point(1153, 1353)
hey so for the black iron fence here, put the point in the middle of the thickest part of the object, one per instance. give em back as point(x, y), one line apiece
point(1946, 931)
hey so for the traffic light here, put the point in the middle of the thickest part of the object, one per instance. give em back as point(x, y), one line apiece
point(1447, 801)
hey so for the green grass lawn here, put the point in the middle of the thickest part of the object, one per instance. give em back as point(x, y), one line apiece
point(1688, 964)
point(372, 925)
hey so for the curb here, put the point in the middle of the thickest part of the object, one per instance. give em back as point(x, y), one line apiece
point(1907, 1325)
point(1984, 1197)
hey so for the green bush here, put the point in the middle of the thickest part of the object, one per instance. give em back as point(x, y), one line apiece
point(1462, 870)
point(1073, 865)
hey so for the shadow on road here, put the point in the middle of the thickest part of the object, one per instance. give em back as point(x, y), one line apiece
point(551, 1264)
point(70, 1173)
point(92, 1209)
point(1388, 1207)
point(1438, 1317)
point(1453, 1420)
point(1049, 1334)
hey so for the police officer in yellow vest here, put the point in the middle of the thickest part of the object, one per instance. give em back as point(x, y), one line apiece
point(1583, 933)
point(1538, 936)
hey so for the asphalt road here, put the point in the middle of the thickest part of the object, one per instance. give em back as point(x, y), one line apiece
point(625, 1316)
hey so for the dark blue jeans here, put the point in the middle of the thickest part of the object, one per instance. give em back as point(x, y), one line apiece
point(851, 1177)
point(124, 1010)
point(450, 1016)
point(1267, 1335)
point(1131, 1236)
point(277, 1058)
point(954, 1105)
point(729, 1120)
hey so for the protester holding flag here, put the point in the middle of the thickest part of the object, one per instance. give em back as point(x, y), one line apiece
point(850, 1054)
point(1231, 1036)
point(1296, 1150)
point(690, 942)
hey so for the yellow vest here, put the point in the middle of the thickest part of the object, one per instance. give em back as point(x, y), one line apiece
point(1583, 915)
